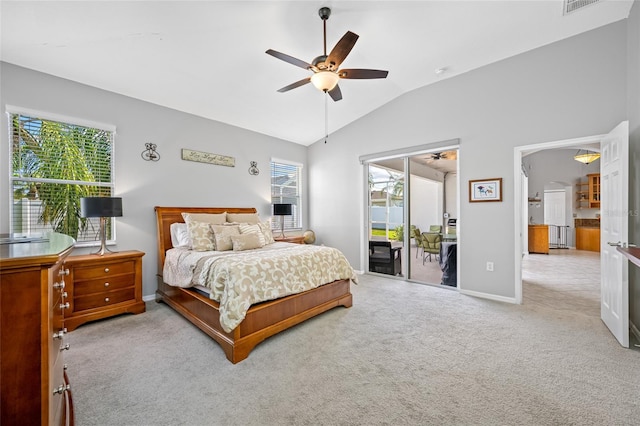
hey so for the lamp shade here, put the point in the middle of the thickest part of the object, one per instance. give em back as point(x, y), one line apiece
point(101, 207)
point(325, 80)
point(282, 210)
point(586, 157)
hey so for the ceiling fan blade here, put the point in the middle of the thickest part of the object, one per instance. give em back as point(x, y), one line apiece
point(341, 50)
point(294, 85)
point(362, 73)
point(290, 59)
point(335, 93)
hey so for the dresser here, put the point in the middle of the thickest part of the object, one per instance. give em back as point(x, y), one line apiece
point(103, 286)
point(34, 385)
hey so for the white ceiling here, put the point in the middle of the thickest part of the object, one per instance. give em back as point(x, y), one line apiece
point(208, 57)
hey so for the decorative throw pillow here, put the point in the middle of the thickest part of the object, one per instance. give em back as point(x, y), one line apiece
point(179, 235)
point(245, 228)
point(222, 235)
point(198, 226)
point(265, 227)
point(248, 241)
point(250, 218)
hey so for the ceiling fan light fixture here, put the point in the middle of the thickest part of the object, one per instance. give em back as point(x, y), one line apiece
point(586, 157)
point(325, 80)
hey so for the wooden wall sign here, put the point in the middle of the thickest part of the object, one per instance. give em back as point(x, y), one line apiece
point(206, 157)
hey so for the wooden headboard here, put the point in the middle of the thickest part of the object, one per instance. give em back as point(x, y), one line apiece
point(165, 216)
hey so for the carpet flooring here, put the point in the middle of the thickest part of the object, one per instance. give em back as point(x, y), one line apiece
point(405, 353)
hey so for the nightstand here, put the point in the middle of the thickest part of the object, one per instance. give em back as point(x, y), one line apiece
point(297, 239)
point(103, 286)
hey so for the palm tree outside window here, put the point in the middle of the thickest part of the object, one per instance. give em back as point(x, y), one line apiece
point(54, 163)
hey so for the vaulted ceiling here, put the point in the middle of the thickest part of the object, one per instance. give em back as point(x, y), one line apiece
point(208, 57)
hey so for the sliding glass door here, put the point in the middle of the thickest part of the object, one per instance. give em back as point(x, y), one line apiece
point(412, 209)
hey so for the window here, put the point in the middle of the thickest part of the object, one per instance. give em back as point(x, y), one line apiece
point(285, 188)
point(54, 163)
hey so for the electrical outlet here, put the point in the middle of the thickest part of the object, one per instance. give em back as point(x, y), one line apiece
point(490, 266)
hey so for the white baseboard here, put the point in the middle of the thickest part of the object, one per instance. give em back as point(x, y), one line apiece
point(488, 296)
point(149, 298)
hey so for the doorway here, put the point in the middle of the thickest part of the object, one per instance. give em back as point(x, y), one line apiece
point(614, 297)
point(411, 193)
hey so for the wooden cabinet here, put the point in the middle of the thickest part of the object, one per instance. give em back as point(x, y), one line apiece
point(297, 239)
point(588, 239)
point(539, 239)
point(103, 286)
point(588, 193)
point(594, 190)
point(34, 386)
point(582, 195)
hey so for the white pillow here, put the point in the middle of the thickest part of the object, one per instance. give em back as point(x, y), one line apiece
point(180, 235)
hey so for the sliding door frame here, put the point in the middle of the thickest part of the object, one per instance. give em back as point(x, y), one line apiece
point(405, 154)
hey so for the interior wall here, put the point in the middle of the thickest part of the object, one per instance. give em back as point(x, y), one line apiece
point(144, 184)
point(424, 204)
point(633, 113)
point(451, 195)
point(555, 92)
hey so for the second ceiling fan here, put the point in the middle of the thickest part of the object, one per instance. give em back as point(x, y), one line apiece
point(326, 72)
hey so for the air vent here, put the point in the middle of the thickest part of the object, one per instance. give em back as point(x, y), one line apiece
point(573, 5)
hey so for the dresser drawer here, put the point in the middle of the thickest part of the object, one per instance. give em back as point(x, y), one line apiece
point(101, 285)
point(99, 300)
point(103, 270)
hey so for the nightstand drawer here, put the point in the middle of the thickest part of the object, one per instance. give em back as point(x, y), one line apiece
point(105, 270)
point(103, 299)
point(84, 288)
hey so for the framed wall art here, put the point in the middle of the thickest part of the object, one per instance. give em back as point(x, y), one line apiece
point(485, 190)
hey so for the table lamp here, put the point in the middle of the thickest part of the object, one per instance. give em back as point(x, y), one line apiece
point(282, 210)
point(102, 207)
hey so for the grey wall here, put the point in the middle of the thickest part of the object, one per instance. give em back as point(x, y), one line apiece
point(573, 88)
point(633, 107)
point(142, 184)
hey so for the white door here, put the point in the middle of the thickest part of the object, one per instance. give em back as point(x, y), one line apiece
point(614, 207)
point(554, 208)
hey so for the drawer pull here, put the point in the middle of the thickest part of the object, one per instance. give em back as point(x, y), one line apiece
point(106, 270)
point(61, 389)
point(65, 294)
point(63, 272)
point(65, 347)
point(64, 305)
point(106, 299)
point(60, 334)
point(106, 284)
point(59, 285)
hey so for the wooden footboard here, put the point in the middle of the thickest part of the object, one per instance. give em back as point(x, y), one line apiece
point(263, 320)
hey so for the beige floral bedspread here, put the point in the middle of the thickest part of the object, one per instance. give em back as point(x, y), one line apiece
point(238, 280)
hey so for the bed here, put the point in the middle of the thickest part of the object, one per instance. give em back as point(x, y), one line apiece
point(261, 320)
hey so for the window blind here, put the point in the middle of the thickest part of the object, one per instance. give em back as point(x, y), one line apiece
point(285, 188)
point(53, 165)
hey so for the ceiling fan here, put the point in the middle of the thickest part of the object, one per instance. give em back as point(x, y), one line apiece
point(444, 155)
point(326, 72)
